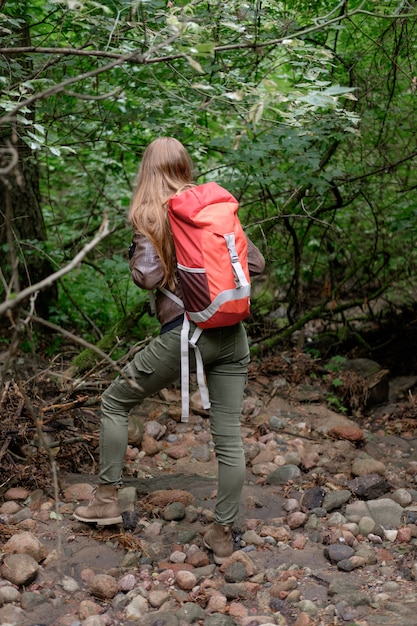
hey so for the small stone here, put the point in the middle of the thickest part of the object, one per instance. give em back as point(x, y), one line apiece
point(367, 553)
point(136, 609)
point(292, 458)
point(380, 600)
point(313, 498)
point(150, 445)
point(390, 534)
point(352, 528)
point(402, 497)
point(78, 492)
point(9, 508)
point(391, 586)
point(177, 556)
point(347, 565)
point(235, 573)
point(385, 555)
point(198, 558)
point(336, 519)
point(177, 452)
point(279, 533)
point(307, 606)
point(103, 586)
point(69, 584)
point(174, 511)
point(291, 505)
point(299, 542)
point(404, 534)
point(156, 598)
point(30, 600)
point(185, 580)
point(217, 603)
point(16, 493)
point(350, 432)
point(252, 537)
point(263, 469)
point(126, 582)
point(369, 486)
point(281, 589)
point(283, 474)
point(154, 429)
point(88, 608)
point(8, 594)
point(296, 519)
point(363, 467)
point(336, 499)
point(337, 552)
point(237, 611)
point(303, 620)
point(191, 613)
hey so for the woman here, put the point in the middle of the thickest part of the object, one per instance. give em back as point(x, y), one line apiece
point(165, 171)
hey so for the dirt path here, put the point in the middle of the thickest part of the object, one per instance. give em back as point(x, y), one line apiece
point(286, 529)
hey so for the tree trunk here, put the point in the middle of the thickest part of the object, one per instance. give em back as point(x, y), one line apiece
point(21, 221)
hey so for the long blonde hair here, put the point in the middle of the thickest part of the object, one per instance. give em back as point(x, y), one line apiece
point(166, 168)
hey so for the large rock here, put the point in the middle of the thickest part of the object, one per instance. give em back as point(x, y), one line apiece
point(384, 512)
point(19, 569)
point(26, 543)
point(327, 422)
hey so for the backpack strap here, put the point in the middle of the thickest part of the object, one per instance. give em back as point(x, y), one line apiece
point(240, 278)
point(186, 344)
point(171, 296)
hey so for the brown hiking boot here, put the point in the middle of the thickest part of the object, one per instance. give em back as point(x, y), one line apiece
point(103, 508)
point(219, 539)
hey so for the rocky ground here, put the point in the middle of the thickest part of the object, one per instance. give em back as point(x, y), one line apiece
point(327, 532)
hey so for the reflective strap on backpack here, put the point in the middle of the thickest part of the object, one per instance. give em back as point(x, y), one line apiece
point(240, 278)
point(186, 344)
point(171, 296)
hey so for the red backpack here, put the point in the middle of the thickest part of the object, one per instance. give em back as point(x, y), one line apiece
point(211, 250)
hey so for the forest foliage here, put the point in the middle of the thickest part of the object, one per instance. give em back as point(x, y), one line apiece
point(305, 111)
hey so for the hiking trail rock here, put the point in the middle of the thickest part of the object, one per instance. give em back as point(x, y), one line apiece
point(326, 535)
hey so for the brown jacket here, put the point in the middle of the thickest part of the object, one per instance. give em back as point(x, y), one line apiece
point(147, 273)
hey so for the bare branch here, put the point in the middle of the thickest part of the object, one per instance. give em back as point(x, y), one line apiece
point(103, 96)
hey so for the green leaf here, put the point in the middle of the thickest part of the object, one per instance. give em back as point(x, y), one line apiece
point(205, 48)
point(55, 516)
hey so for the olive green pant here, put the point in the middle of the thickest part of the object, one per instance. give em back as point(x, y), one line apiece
point(225, 354)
